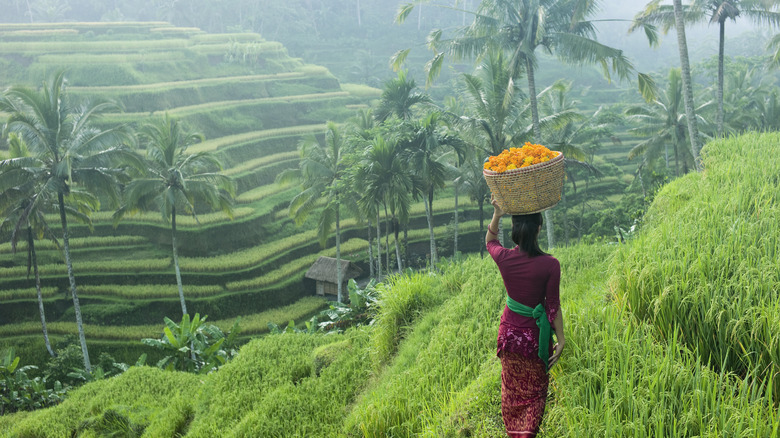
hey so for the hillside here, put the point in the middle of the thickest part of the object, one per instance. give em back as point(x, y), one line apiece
point(426, 367)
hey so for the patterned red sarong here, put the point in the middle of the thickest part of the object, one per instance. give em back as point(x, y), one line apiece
point(524, 384)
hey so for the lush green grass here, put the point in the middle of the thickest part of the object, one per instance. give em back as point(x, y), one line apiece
point(706, 270)
point(250, 325)
point(440, 377)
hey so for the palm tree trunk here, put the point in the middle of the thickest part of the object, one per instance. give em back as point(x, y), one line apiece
point(690, 113)
point(481, 204)
point(72, 280)
point(419, 17)
point(565, 218)
point(529, 66)
point(406, 243)
point(538, 138)
point(378, 247)
point(370, 253)
point(455, 246)
point(340, 295)
point(387, 240)
point(721, 50)
point(582, 210)
point(176, 261)
point(396, 226)
point(34, 260)
point(429, 216)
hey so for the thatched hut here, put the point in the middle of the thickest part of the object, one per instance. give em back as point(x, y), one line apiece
point(323, 272)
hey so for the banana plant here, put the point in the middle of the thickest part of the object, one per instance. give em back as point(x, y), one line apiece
point(193, 345)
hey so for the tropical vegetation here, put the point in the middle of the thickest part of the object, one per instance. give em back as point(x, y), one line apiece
point(411, 353)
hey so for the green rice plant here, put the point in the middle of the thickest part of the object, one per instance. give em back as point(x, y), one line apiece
point(258, 323)
point(160, 87)
point(131, 266)
point(227, 105)
point(184, 221)
point(214, 144)
point(110, 58)
point(296, 268)
point(147, 291)
point(91, 331)
point(704, 269)
point(218, 38)
point(251, 257)
point(26, 294)
point(616, 377)
point(93, 46)
point(312, 69)
point(79, 242)
point(361, 90)
point(262, 49)
point(141, 395)
point(102, 266)
point(258, 162)
point(402, 298)
point(37, 33)
point(170, 30)
point(259, 193)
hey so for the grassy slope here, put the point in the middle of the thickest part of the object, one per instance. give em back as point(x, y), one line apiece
point(427, 366)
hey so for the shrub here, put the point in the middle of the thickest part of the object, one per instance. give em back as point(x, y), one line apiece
point(20, 393)
point(194, 346)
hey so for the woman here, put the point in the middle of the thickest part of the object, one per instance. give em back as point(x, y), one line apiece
point(531, 278)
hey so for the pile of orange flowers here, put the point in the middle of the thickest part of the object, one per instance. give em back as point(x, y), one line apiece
point(516, 158)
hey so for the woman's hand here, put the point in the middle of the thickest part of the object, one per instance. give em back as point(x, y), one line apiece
point(557, 350)
point(497, 211)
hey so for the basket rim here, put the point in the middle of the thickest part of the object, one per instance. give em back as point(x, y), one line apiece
point(532, 167)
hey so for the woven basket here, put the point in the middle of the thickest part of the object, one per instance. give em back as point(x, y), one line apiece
point(529, 189)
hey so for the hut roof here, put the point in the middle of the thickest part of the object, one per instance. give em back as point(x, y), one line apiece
point(324, 269)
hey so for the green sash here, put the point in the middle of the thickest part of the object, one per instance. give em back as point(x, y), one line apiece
point(545, 331)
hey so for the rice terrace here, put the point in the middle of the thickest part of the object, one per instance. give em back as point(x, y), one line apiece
point(268, 219)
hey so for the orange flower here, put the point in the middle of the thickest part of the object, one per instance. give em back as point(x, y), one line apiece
point(515, 158)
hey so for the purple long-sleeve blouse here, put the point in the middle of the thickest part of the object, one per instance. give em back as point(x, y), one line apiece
point(530, 281)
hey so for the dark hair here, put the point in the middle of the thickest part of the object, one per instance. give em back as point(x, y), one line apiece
point(525, 232)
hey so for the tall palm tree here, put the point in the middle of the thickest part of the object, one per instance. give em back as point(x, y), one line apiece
point(714, 11)
point(174, 181)
point(687, 84)
point(385, 178)
point(661, 124)
point(24, 199)
point(573, 131)
point(474, 184)
point(362, 130)
point(74, 154)
point(322, 172)
point(425, 150)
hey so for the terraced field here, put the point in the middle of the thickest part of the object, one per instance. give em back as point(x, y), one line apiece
point(253, 103)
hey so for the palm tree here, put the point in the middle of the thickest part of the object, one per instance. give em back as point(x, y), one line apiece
point(385, 178)
point(474, 184)
point(425, 151)
point(661, 124)
point(322, 172)
point(714, 11)
point(520, 27)
point(72, 152)
point(398, 97)
point(572, 132)
point(174, 181)
point(362, 130)
point(24, 199)
point(685, 66)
